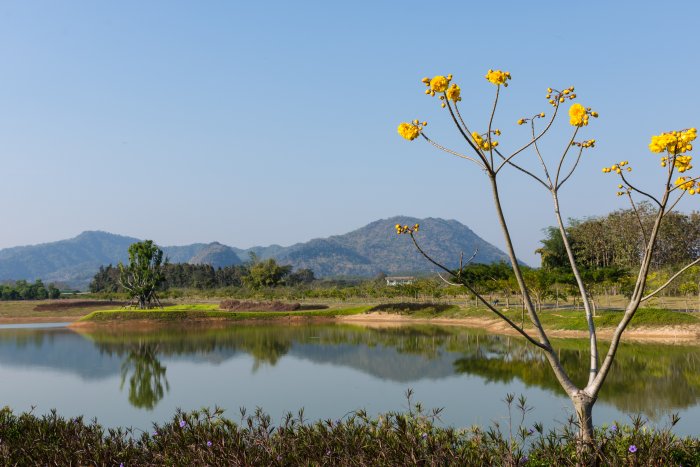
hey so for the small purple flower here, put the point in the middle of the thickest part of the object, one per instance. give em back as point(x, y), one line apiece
point(279, 458)
point(208, 443)
point(633, 448)
point(121, 464)
point(424, 435)
point(182, 423)
point(530, 431)
point(155, 433)
point(523, 459)
point(613, 428)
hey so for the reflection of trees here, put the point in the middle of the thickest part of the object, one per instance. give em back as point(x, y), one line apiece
point(147, 376)
point(667, 383)
point(671, 381)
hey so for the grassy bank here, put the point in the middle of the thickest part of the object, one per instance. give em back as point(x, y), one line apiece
point(564, 319)
point(411, 438)
point(207, 311)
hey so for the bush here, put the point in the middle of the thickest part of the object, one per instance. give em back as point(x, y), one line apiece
point(411, 438)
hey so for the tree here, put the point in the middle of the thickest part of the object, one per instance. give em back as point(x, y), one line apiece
point(266, 273)
point(141, 278)
point(483, 151)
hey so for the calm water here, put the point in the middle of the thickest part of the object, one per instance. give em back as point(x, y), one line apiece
point(133, 378)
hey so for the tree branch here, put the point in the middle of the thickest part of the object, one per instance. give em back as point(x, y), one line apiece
point(689, 265)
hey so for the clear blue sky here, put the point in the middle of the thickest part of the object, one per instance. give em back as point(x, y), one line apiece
point(253, 123)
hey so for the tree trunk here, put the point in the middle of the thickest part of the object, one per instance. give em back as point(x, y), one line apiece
point(583, 404)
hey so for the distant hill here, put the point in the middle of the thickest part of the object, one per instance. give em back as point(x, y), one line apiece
point(364, 252)
point(376, 248)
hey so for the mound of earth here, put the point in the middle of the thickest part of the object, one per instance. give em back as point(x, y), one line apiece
point(238, 305)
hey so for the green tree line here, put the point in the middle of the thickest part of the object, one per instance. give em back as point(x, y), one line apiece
point(254, 274)
point(23, 290)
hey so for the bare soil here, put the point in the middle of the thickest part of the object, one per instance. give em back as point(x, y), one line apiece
point(666, 334)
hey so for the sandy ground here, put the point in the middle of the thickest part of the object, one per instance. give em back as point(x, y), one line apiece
point(685, 334)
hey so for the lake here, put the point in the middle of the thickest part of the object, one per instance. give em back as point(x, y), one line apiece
point(132, 378)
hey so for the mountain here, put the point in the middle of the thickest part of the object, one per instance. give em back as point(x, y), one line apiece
point(72, 261)
point(216, 255)
point(376, 248)
point(365, 252)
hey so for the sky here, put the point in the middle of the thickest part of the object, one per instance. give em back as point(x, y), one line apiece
point(253, 123)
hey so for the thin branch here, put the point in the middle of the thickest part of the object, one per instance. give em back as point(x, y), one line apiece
point(493, 113)
point(639, 219)
point(448, 282)
point(482, 299)
point(633, 188)
point(578, 159)
point(459, 115)
point(675, 203)
point(677, 187)
point(563, 156)
point(689, 265)
point(466, 137)
point(506, 160)
point(539, 154)
point(526, 172)
point(454, 153)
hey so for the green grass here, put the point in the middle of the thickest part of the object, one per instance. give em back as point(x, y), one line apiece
point(197, 312)
point(551, 319)
point(576, 319)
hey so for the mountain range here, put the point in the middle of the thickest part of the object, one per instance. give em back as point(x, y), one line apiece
point(365, 252)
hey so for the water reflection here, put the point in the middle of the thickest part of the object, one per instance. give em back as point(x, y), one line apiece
point(653, 379)
point(146, 376)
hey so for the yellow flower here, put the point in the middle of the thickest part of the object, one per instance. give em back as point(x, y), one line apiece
point(682, 163)
point(483, 143)
point(439, 83)
point(684, 184)
point(498, 77)
point(578, 116)
point(408, 131)
point(675, 142)
point(454, 93)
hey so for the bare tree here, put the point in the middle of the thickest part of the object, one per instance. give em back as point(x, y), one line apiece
point(483, 151)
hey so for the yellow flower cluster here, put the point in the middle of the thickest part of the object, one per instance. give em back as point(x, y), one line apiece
point(689, 185)
point(674, 142)
point(483, 143)
point(404, 229)
point(625, 190)
point(578, 115)
point(498, 77)
point(555, 97)
point(523, 120)
point(585, 144)
point(617, 168)
point(410, 131)
point(454, 93)
point(439, 83)
point(682, 163)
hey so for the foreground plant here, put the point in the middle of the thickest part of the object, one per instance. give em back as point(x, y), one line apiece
point(484, 151)
point(396, 438)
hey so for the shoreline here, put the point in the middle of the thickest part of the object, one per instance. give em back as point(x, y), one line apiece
point(664, 334)
point(686, 334)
